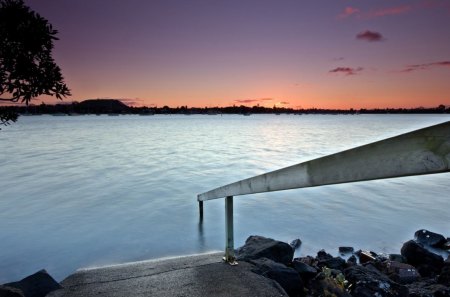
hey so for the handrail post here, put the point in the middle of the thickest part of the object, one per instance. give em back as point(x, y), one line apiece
point(229, 236)
point(200, 208)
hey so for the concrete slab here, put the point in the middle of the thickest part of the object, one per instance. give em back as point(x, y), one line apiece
point(197, 275)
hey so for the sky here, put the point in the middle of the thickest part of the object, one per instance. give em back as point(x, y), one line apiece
point(287, 53)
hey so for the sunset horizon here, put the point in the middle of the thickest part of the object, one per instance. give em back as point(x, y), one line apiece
point(346, 54)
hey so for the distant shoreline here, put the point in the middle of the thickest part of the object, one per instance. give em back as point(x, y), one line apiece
point(114, 107)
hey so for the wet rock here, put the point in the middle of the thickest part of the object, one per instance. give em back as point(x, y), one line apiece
point(366, 256)
point(6, 291)
point(36, 285)
point(296, 243)
point(366, 281)
point(400, 272)
point(287, 277)
point(426, 262)
point(324, 285)
point(397, 258)
point(305, 271)
point(334, 263)
point(352, 260)
point(323, 255)
point(346, 249)
point(430, 238)
point(261, 247)
point(428, 288)
point(444, 277)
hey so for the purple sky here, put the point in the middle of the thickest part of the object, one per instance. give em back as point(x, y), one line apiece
point(316, 53)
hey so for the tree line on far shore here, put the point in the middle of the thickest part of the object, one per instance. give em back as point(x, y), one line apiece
point(112, 106)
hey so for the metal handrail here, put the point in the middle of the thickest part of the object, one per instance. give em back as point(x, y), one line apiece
point(423, 151)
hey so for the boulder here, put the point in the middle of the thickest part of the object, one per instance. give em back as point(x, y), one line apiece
point(428, 288)
point(430, 238)
point(305, 271)
point(324, 285)
point(368, 281)
point(333, 263)
point(287, 277)
point(366, 256)
point(352, 260)
point(400, 272)
point(397, 258)
point(296, 243)
point(426, 262)
point(346, 249)
point(36, 285)
point(444, 277)
point(6, 291)
point(261, 247)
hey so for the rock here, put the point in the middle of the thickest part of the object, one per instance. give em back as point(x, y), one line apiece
point(400, 272)
point(444, 277)
point(327, 286)
point(426, 262)
point(296, 243)
point(365, 281)
point(322, 255)
point(366, 256)
point(287, 277)
point(261, 247)
point(397, 258)
point(305, 271)
point(428, 288)
point(36, 285)
point(346, 249)
point(352, 260)
point(6, 291)
point(333, 263)
point(430, 238)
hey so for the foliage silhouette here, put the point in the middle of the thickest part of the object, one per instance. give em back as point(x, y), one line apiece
point(27, 68)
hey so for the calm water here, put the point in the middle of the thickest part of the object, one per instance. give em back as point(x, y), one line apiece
point(95, 190)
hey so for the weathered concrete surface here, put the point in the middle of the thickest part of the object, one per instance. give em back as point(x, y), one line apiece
point(200, 275)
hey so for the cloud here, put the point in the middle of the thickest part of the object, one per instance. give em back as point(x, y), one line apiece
point(283, 103)
point(396, 10)
point(346, 70)
point(348, 11)
point(426, 66)
point(256, 100)
point(370, 36)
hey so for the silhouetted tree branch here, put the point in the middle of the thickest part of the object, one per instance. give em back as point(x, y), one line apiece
point(27, 68)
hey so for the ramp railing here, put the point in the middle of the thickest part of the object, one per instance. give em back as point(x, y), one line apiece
point(424, 151)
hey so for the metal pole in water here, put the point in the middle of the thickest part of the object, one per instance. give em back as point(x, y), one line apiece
point(200, 208)
point(229, 236)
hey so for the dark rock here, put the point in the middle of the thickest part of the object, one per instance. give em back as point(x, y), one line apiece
point(287, 277)
point(352, 260)
point(430, 238)
point(346, 249)
point(6, 291)
point(322, 255)
point(400, 272)
point(327, 286)
point(296, 243)
point(261, 247)
point(444, 277)
point(426, 262)
point(36, 285)
point(397, 258)
point(333, 263)
point(366, 281)
point(366, 256)
point(304, 270)
point(428, 288)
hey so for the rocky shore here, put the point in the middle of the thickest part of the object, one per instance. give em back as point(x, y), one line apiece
point(418, 270)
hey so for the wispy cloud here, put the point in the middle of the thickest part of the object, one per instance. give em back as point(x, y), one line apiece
point(256, 100)
point(396, 10)
point(426, 66)
point(283, 103)
point(370, 36)
point(348, 11)
point(346, 70)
